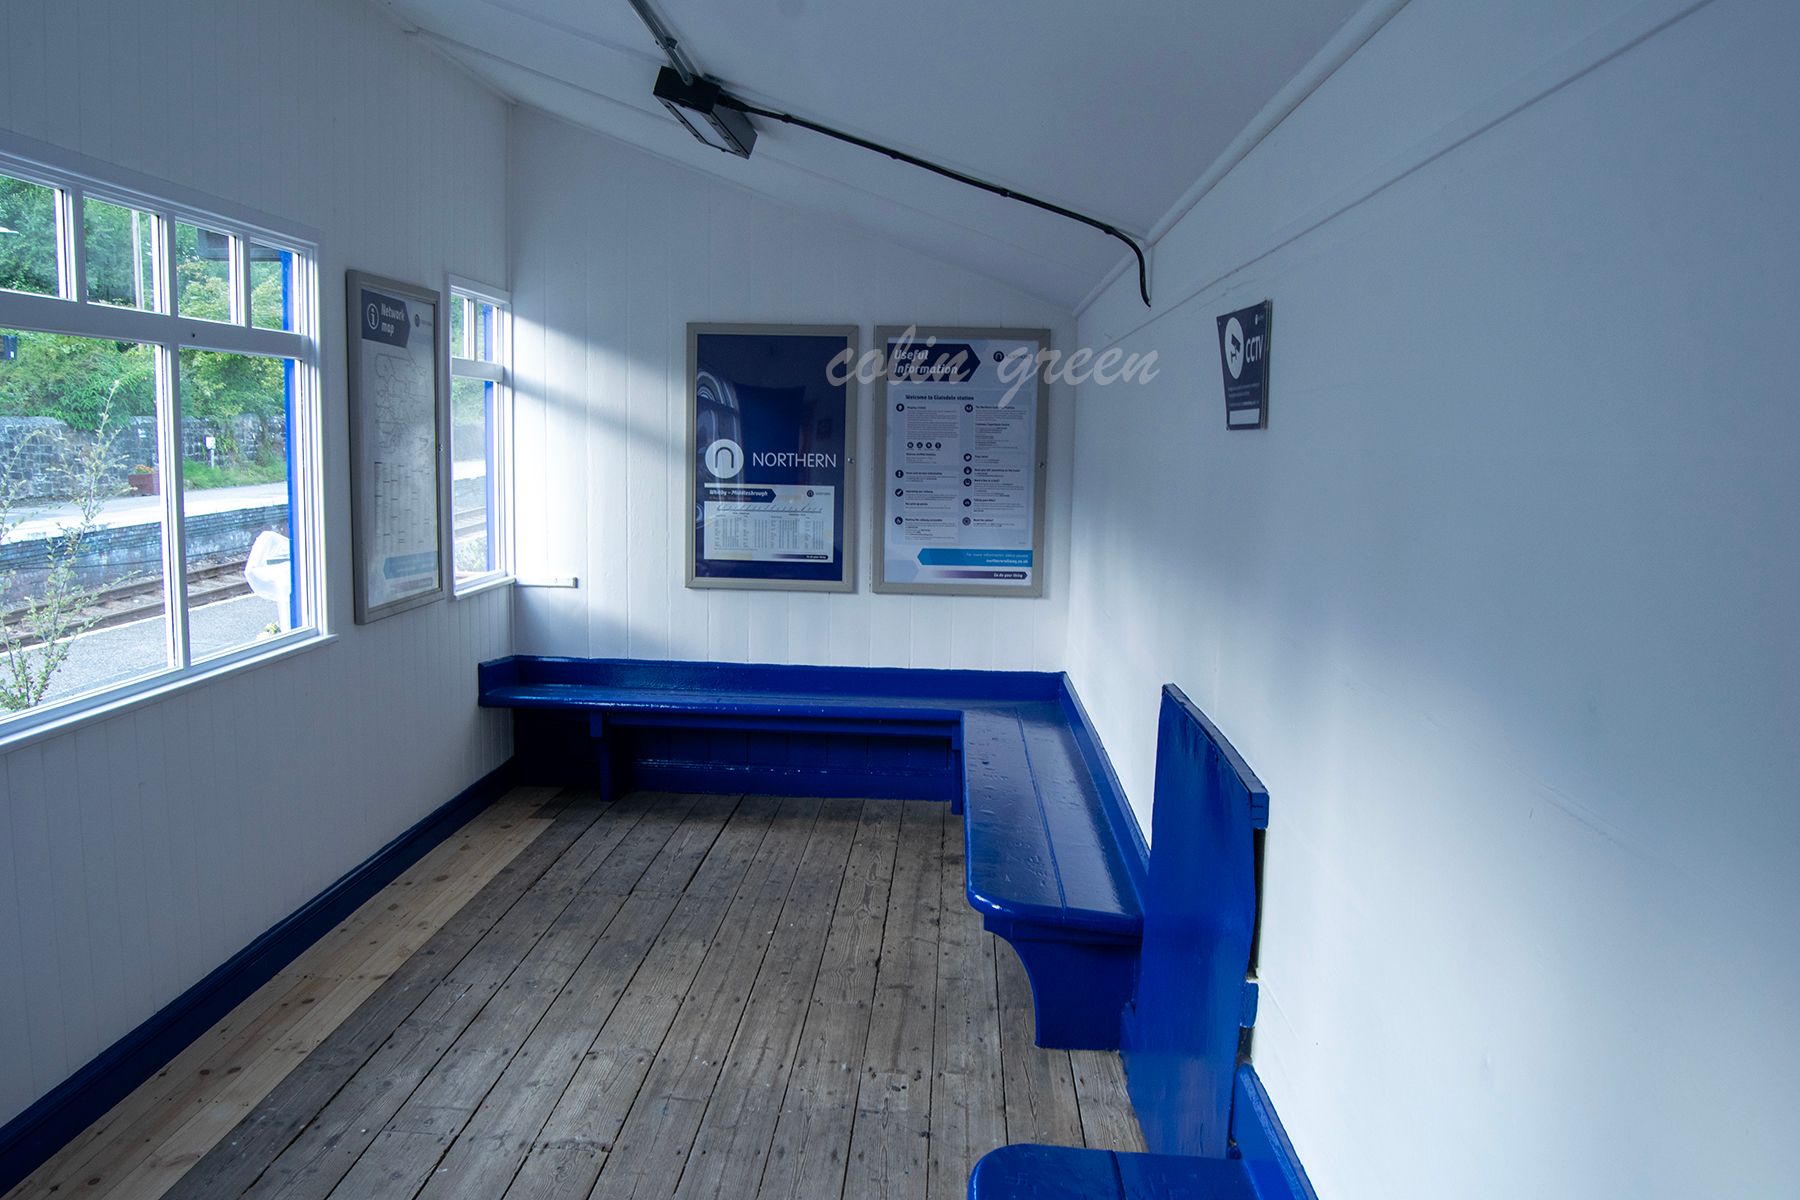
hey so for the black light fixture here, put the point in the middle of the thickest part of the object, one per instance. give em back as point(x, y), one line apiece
point(683, 90)
point(721, 128)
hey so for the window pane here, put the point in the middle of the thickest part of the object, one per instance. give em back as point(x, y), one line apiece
point(271, 287)
point(202, 273)
point(472, 507)
point(239, 571)
point(487, 333)
point(81, 578)
point(121, 248)
point(459, 327)
point(27, 237)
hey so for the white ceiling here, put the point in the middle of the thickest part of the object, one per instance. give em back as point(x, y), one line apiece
point(1113, 110)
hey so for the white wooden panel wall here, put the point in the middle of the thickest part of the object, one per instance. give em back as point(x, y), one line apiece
point(614, 252)
point(1502, 606)
point(139, 853)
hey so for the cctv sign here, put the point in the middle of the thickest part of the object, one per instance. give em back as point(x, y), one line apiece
point(1244, 365)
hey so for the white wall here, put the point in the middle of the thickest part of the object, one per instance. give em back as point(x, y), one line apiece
point(144, 850)
point(1502, 606)
point(614, 252)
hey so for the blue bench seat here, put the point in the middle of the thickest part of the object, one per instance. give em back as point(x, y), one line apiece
point(1063, 1173)
point(1048, 871)
point(1055, 864)
point(1261, 1165)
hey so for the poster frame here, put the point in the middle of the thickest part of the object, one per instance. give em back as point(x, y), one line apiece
point(361, 441)
point(846, 581)
point(884, 334)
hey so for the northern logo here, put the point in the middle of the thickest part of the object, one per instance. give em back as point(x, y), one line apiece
point(724, 458)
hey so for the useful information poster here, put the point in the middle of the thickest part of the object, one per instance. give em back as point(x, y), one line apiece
point(770, 440)
point(963, 454)
point(395, 427)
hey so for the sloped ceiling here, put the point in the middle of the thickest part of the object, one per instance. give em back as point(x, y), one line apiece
point(1113, 110)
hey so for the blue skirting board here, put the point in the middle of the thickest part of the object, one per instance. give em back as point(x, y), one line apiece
point(1262, 1142)
point(29, 1139)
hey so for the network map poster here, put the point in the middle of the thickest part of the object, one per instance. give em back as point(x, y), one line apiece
point(399, 439)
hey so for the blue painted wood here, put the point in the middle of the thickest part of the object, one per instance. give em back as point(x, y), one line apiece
point(716, 727)
point(1090, 862)
point(1055, 862)
point(798, 710)
point(1034, 1172)
point(1128, 836)
point(1212, 1129)
point(655, 674)
point(709, 752)
point(1046, 874)
point(1080, 982)
point(1028, 1171)
point(1182, 1029)
point(1263, 1144)
point(1262, 1165)
point(30, 1138)
point(1037, 850)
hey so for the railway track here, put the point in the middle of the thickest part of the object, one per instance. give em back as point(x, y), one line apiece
point(207, 583)
point(125, 603)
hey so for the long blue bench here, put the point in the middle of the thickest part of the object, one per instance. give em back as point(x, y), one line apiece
point(1055, 863)
point(1210, 1129)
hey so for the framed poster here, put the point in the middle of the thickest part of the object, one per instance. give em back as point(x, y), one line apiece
point(963, 442)
point(398, 441)
point(771, 444)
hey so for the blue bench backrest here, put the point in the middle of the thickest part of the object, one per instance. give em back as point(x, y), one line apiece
point(713, 677)
point(1181, 1034)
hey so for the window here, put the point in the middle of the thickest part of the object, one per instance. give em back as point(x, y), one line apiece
point(480, 434)
point(30, 216)
point(158, 442)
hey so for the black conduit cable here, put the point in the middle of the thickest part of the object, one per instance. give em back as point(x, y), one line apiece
point(729, 101)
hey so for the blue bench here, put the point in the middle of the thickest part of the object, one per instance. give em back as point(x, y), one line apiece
point(1055, 864)
point(1211, 1130)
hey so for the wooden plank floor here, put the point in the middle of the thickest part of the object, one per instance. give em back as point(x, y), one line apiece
point(668, 996)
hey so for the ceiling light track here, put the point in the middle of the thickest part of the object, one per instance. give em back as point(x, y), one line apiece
point(724, 126)
point(665, 41)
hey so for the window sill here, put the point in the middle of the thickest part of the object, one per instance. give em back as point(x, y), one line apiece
point(485, 583)
point(151, 690)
